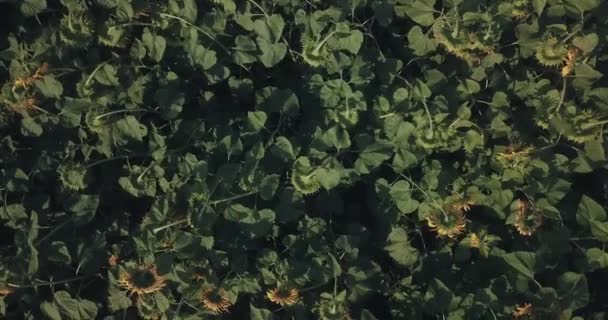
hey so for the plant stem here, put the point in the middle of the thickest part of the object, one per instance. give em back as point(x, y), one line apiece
point(86, 83)
point(563, 95)
point(46, 283)
point(186, 220)
point(208, 35)
point(428, 114)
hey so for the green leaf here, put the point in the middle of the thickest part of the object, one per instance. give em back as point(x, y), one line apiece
point(291, 206)
point(283, 149)
point(328, 178)
point(539, 6)
point(259, 314)
point(50, 311)
point(597, 258)
point(580, 6)
point(599, 230)
point(472, 141)
point(399, 248)
point(585, 76)
point(586, 43)
point(595, 151)
point(256, 120)
point(372, 156)
point(268, 186)
point(155, 44)
point(245, 51)
point(128, 129)
point(272, 53)
point(337, 137)
point(367, 315)
point(30, 128)
point(272, 99)
point(270, 28)
point(170, 99)
point(421, 11)
point(351, 43)
point(403, 159)
point(106, 75)
point(401, 193)
point(67, 308)
point(82, 206)
point(573, 290)
point(58, 252)
point(203, 57)
point(522, 262)
point(438, 296)
point(588, 211)
point(31, 8)
point(118, 300)
point(420, 44)
point(49, 87)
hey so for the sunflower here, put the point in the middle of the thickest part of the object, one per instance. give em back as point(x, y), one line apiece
point(447, 223)
point(113, 260)
point(475, 241)
point(570, 61)
point(5, 291)
point(215, 300)
point(514, 155)
point(283, 296)
point(25, 82)
point(27, 104)
point(523, 311)
point(526, 219)
point(142, 281)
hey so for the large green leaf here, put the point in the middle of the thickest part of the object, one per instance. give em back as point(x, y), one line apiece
point(399, 248)
point(521, 262)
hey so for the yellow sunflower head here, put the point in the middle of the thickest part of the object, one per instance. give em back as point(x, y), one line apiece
point(113, 260)
point(448, 223)
point(215, 300)
point(5, 291)
point(475, 241)
point(283, 296)
point(514, 155)
point(524, 311)
point(141, 281)
point(527, 220)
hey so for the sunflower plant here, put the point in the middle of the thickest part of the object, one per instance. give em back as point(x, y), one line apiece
point(303, 159)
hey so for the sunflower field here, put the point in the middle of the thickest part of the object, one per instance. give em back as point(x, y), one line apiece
point(303, 159)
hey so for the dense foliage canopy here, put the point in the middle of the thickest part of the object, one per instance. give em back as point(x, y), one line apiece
point(303, 159)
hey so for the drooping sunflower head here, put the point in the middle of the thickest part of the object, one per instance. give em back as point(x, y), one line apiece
point(215, 300)
point(520, 9)
point(27, 104)
point(141, 281)
point(113, 260)
point(570, 61)
point(514, 155)
point(283, 296)
point(448, 222)
point(523, 311)
point(304, 178)
point(550, 52)
point(315, 53)
point(72, 176)
point(475, 241)
point(76, 28)
point(332, 307)
point(481, 240)
point(583, 126)
point(527, 219)
point(5, 291)
point(440, 138)
point(465, 43)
